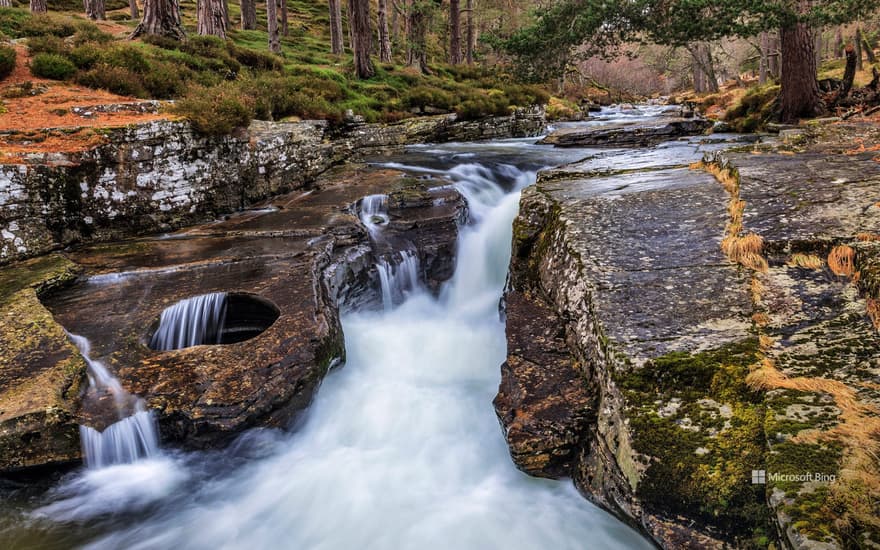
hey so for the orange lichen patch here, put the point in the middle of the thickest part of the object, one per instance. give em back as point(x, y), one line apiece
point(52, 109)
point(868, 237)
point(84, 139)
point(746, 251)
point(761, 319)
point(862, 148)
point(873, 307)
point(841, 260)
point(807, 261)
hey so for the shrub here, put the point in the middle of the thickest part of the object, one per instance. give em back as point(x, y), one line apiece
point(85, 56)
point(114, 79)
point(163, 42)
point(47, 44)
point(54, 66)
point(254, 59)
point(165, 81)
point(12, 21)
point(217, 110)
point(43, 24)
point(127, 56)
point(424, 96)
point(88, 32)
point(7, 61)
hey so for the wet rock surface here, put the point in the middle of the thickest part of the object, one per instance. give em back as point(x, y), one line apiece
point(306, 253)
point(628, 134)
point(675, 343)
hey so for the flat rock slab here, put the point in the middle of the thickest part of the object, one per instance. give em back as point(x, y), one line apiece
point(628, 134)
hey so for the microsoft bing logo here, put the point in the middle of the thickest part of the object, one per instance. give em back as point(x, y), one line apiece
point(759, 477)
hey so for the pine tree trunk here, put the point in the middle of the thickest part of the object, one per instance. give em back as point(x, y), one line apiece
point(248, 14)
point(337, 46)
point(384, 36)
point(775, 56)
point(817, 47)
point(226, 14)
point(858, 45)
point(5, 3)
point(285, 23)
point(764, 63)
point(800, 90)
point(362, 37)
point(471, 38)
point(133, 9)
point(161, 18)
point(395, 23)
point(211, 18)
point(272, 19)
point(95, 10)
point(838, 43)
point(417, 51)
point(454, 32)
point(868, 48)
point(849, 73)
point(38, 6)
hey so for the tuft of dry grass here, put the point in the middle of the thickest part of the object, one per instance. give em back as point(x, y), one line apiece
point(756, 289)
point(746, 251)
point(807, 261)
point(868, 237)
point(873, 307)
point(841, 260)
point(761, 319)
point(765, 342)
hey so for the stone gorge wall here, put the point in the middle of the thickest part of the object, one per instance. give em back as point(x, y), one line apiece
point(162, 175)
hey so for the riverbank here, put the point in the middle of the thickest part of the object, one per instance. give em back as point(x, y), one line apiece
point(721, 317)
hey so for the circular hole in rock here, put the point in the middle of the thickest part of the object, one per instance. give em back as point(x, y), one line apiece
point(211, 319)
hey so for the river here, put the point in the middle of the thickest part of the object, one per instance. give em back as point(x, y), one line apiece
point(401, 448)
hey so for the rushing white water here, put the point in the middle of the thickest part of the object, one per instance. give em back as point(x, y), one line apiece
point(132, 437)
point(401, 449)
point(191, 322)
point(374, 212)
point(398, 279)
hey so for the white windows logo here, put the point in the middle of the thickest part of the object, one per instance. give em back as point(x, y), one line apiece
point(759, 477)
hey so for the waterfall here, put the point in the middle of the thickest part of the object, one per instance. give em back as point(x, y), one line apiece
point(398, 279)
point(132, 437)
point(191, 322)
point(374, 212)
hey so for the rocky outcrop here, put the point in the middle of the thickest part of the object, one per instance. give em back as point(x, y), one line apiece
point(161, 175)
point(305, 253)
point(628, 134)
point(698, 369)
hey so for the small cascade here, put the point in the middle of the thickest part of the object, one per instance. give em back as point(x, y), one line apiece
point(191, 322)
point(397, 279)
point(133, 436)
point(374, 212)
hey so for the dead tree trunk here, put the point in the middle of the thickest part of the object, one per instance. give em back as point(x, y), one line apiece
point(849, 74)
point(454, 32)
point(470, 36)
point(800, 89)
point(285, 22)
point(272, 20)
point(161, 18)
point(38, 6)
point(384, 35)
point(337, 45)
point(211, 18)
point(248, 14)
point(133, 9)
point(95, 10)
point(359, 21)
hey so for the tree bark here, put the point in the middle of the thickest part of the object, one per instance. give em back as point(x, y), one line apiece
point(849, 73)
point(248, 14)
point(384, 35)
point(868, 48)
point(838, 43)
point(5, 3)
point(38, 6)
point(471, 37)
point(454, 32)
point(133, 9)
point(800, 90)
point(95, 10)
point(211, 18)
point(161, 18)
point(226, 14)
point(703, 67)
point(362, 37)
point(858, 46)
point(417, 28)
point(285, 22)
point(337, 46)
point(272, 20)
point(764, 63)
point(774, 65)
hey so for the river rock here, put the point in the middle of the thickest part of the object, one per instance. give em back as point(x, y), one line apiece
point(628, 134)
point(662, 329)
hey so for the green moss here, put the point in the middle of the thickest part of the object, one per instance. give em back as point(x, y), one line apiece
point(44, 274)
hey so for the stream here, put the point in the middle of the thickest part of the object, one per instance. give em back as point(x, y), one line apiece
point(401, 447)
